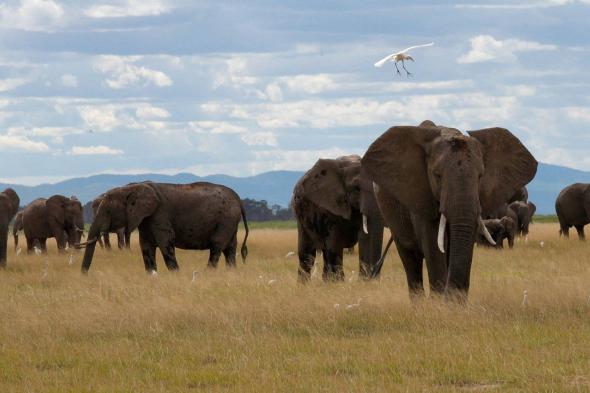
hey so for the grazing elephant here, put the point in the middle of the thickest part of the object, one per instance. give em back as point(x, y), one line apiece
point(17, 226)
point(525, 212)
point(335, 207)
point(59, 217)
point(123, 237)
point(499, 229)
point(9, 202)
point(573, 208)
point(432, 184)
point(197, 216)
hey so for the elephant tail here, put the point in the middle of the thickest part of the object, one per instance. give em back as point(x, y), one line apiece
point(244, 249)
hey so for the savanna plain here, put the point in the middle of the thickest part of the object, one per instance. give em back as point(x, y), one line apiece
point(254, 328)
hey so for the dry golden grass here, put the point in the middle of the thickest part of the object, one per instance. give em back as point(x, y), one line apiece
point(119, 330)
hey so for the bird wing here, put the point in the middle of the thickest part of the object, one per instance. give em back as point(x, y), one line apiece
point(416, 46)
point(384, 60)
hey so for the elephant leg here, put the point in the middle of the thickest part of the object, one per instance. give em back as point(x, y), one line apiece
point(413, 265)
point(30, 245)
point(127, 239)
point(42, 242)
point(333, 268)
point(230, 252)
point(307, 254)
point(107, 240)
point(565, 231)
point(580, 229)
point(120, 240)
point(148, 250)
point(511, 241)
point(165, 242)
point(214, 254)
point(100, 242)
point(3, 244)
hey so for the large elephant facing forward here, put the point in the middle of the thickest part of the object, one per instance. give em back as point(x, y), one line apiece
point(573, 208)
point(197, 216)
point(59, 217)
point(433, 184)
point(9, 202)
point(335, 207)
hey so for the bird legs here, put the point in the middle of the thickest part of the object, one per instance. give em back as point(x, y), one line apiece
point(408, 73)
point(399, 73)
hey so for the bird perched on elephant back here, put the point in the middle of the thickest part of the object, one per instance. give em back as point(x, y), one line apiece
point(58, 216)
point(525, 212)
point(432, 185)
point(335, 207)
point(123, 237)
point(573, 208)
point(197, 216)
point(9, 202)
point(499, 229)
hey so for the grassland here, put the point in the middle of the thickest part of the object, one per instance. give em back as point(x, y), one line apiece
point(118, 330)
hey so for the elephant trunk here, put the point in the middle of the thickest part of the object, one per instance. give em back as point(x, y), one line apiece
point(461, 239)
point(370, 246)
point(93, 235)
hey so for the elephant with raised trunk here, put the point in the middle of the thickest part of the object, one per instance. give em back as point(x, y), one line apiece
point(123, 237)
point(9, 202)
point(573, 208)
point(197, 216)
point(499, 229)
point(432, 184)
point(335, 208)
point(525, 212)
point(59, 217)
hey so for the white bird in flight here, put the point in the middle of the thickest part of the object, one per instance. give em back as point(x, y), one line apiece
point(400, 56)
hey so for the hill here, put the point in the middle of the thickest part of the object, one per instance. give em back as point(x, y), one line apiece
point(276, 187)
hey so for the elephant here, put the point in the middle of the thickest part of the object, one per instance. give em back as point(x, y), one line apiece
point(499, 229)
point(123, 237)
point(524, 212)
point(197, 216)
point(573, 208)
point(17, 226)
point(58, 216)
point(432, 184)
point(520, 195)
point(335, 208)
point(9, 202)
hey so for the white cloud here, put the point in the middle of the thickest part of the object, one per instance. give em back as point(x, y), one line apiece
point(136, 116)
point(579, 113)
point(12, 83)
point(123, 72)
point(266, 138)
point(309, 84)
point(522, 6)
point(147, 111)
point(128, 8)
point(216, 127)
point(278, 159)
point(94, 150)
point(16, 142)
point(69, 80)
point(487, 48)
point(32, 15)
point(274, 92)
point(55, 133)
point(234, 75)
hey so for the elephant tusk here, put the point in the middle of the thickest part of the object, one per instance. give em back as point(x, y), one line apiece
point(375, 188)
point(442, 226)
point(87, 243)
point(485, 232)
point(365, 224)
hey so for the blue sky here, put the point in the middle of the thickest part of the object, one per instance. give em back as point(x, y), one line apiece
point(132, 86)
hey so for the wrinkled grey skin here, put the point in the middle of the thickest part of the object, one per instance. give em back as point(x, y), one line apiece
point(499, 229)
point(525, 212)
point(197, 216)
point(573, 208)
point(59, 217)
point(521, 195)
point(329, 201)
point(123, 237)
point(9, 202)
point(427, 171)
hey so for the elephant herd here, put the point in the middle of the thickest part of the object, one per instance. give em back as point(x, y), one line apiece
point(438, 191)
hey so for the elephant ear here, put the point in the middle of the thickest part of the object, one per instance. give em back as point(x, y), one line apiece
point(324, 186)
point(508, 166)
point(142, 201)
point(56, 209)
point(13, 198)
point(396, 162)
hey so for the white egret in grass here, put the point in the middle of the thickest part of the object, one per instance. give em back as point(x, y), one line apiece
point(71, 260)
point(290, 254)
point(194, 276)
point(542, 244)
point(354, 305)
point(270, 282)
point(336, 306)
point(524, 298)
point(400, 56)
point(37, 250)
point(154, 274)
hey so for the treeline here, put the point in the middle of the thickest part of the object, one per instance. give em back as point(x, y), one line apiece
point(255, 211)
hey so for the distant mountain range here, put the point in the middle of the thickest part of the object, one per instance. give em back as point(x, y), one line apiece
point(275, 187)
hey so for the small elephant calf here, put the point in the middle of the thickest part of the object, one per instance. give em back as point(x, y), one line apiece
point(499, 229)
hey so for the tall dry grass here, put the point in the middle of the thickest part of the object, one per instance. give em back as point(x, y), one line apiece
point(255, 329)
